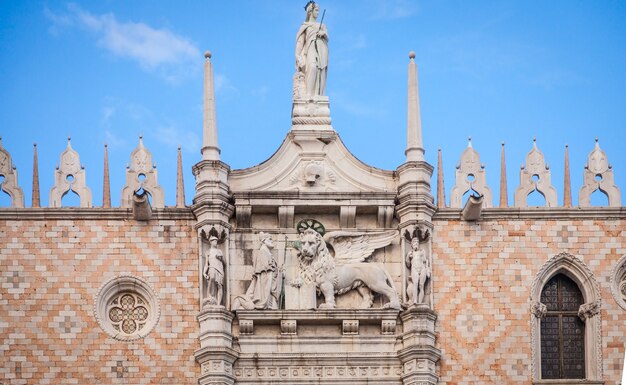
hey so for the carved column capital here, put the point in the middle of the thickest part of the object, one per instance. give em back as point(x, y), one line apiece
point(538, 309)
point(588, 310)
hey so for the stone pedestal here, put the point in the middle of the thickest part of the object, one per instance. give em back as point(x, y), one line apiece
point(311, 114)
point(418, 355)
point(216, 355)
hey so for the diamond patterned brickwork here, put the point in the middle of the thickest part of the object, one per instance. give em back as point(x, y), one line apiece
point(484, 272)
point(50, 271)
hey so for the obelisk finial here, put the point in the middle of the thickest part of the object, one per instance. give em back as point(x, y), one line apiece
point(567, 188)
point(415, 149)
point(210, 149)
point(180, 185)
point(441, 192)
point(106, 184)
point(36, 201)
point(504, 196)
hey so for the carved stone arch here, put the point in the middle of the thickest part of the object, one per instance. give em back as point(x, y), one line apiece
point(575, 269)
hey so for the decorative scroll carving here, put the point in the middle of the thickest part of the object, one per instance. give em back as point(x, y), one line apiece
point(598, 175)
point(538, 309)
point(9, 184)
point(266, 284)
point(590, 309)
point(535, 176)
point(141, 174)
point(419, 263)
point(470, 176)
point(348, 270)
point(70, 175)
point(213, 270)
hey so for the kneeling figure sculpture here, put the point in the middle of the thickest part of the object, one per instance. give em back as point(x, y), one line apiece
point(348, 270)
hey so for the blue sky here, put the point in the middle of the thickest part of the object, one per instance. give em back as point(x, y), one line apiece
point(109, 71)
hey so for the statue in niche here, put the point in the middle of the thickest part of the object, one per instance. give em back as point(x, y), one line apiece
point(419, 265)
point(213, 270)
point(347, 270)
point(311, 55)
point(266, 285)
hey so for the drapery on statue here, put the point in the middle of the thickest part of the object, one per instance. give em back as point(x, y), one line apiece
point(214, 273)
point(420, 268)
point(311, 55)
point(266, 284)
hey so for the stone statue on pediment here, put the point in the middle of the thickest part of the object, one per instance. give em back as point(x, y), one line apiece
point(311, 55)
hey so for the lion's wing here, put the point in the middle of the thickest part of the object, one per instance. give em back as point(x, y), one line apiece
point(353, 247)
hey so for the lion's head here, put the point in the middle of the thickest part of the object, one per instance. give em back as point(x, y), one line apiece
point(311, 246)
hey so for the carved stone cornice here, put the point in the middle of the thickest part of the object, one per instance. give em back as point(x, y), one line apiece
point(548, 213)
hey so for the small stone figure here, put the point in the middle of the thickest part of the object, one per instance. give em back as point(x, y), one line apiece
point(214, 273)
point(266, 285)
point(312, 53)
point(419, 264)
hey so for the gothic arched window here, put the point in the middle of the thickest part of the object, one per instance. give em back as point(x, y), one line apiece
point(562, 330)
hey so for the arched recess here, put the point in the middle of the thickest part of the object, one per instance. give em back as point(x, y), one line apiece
point(574, 268)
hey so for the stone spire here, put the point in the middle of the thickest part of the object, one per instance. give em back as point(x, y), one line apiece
point(180, 186)
point(441, 192)
point(415, 149)
point(210, 149)
point(504, 196)
point(106, 185)
point(36, 201)
point(567, 188)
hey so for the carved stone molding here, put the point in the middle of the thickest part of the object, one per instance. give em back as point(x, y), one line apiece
point(470, 175)
point(9, 185)
point(322, 374)
point(618, 282)
point(126, 308)
point(535, 176)
point(598, 175)
point(141, 173)
point(70, 175)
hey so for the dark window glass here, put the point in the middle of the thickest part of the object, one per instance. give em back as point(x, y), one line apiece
point(562, 331)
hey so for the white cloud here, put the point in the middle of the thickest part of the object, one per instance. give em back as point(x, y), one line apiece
point(155, 50)
point(223, 85)
point(174, 137)
point(392, 9)
point(261, 92)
